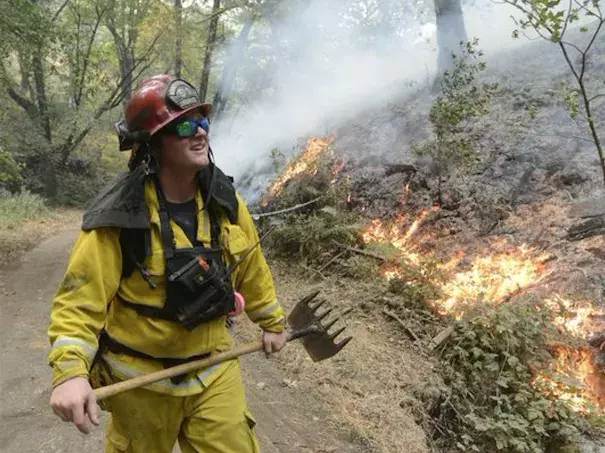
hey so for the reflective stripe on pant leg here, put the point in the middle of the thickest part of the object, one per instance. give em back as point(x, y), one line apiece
point(143, 421)
point(218, 420)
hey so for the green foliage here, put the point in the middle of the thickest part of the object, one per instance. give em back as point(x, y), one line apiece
point(61, 69)
point(571, 97)
point(16, 208)
point(309, 238)
point(488, 402)
point(10, 177)
point(547, 19)
point(356, 266)
point(462, 98)
point(77, 189)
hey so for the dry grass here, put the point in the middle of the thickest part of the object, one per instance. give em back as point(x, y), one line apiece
point(369, 385)
point(17, 237)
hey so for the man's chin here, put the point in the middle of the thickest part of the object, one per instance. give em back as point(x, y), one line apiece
point(202, 161)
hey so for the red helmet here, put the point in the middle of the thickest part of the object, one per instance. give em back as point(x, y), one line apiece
point(159, 100)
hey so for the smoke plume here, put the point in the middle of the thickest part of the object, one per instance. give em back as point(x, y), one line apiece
point(332, 73)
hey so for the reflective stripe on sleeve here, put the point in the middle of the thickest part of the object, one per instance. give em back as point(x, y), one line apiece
point(72, 341)
point(263, 312)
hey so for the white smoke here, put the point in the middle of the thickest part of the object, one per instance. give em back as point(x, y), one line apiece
point(336, 76)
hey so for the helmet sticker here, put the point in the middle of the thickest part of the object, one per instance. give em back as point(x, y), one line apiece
point(182, 94)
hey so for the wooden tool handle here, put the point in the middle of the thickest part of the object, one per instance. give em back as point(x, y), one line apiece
point(140, 381)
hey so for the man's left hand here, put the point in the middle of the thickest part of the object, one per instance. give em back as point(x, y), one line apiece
point(273, 342)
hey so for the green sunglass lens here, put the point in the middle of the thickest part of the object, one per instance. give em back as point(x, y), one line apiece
point(185, 129)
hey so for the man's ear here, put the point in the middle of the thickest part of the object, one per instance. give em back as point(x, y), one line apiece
point(206, 109)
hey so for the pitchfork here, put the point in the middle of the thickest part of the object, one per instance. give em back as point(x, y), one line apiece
point(305, 323)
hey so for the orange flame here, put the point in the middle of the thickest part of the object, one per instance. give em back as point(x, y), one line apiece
point(395, 232)
point(573, 378)
point(304, 162)
point(492, 279)
point(337, 166)
point(578, 318)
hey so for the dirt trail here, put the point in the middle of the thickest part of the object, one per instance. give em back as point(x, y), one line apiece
point(290, 419)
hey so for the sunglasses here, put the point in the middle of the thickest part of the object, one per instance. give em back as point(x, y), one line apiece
point(188, 128)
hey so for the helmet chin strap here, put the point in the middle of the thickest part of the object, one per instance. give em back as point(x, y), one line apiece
point(145, 157)
point(209, 171)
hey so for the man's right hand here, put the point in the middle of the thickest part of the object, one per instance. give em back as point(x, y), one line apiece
point(74, 401)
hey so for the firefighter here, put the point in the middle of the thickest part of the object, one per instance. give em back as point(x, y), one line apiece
point(165, 254)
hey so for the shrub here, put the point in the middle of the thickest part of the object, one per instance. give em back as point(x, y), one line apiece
point(488, 402)
point(15, 208)
point(10, 177)
point(313, 233)
point(312, 237)
point(462, 99)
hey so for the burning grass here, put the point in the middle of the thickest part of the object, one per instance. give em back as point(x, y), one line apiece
point(505, 385)
point(493, 403)
point(573, 379)
point(303, 163)
point(493, 277)
point(313, 234)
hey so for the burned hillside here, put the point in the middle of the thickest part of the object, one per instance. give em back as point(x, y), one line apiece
point(425, 265)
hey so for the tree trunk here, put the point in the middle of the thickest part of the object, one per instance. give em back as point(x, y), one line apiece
point(210, 41)
point(40, 87)
point(24, 69)
point(125, 53)
point(450, 32)
point(178, 24)
point(230, 69)
point(386, 20)
point(127, 69)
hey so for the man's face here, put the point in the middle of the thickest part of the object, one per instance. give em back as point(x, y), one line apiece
point(184, 153)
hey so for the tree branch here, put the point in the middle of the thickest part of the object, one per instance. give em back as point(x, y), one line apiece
point(410, 333)
point(596, 96)
point(88, 51)
point(27, 105)
point(567, 19)
point(583, 6)
point(594, 37)
point(58, 12)
point(532, 19)
point(569, 63)
point(570, 44)
point(218, 13)
point(114, 99)
point(78, 18)
point(257, 216)
point(361, 251)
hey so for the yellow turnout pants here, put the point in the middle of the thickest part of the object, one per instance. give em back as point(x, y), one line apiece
point(214, 421)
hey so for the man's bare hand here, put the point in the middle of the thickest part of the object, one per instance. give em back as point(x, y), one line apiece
point(273, 342)
point(74, 401)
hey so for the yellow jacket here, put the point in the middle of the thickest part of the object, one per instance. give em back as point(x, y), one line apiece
point(86, 302)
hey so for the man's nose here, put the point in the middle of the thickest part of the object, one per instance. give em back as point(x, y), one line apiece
point(200, 132)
